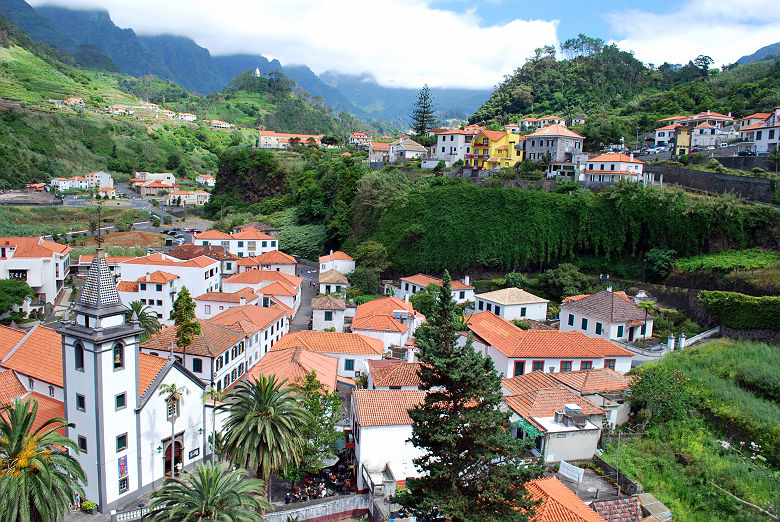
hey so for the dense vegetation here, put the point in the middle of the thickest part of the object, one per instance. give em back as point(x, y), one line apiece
point(38, 221)
point(740, 311)
point(734, 388)
point(728, 260)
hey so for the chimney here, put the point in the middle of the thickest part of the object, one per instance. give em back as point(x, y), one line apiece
point(609, 288)
point(331, 252)
point(406, 297)
point(708, 112)
point(466, 280)
point(632, 156)
point(729, 114)
point(242, 301)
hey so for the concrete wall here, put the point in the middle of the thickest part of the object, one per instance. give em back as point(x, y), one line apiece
point(319, 323)
point(328, 509)
point(572, 445)
point(756, 189)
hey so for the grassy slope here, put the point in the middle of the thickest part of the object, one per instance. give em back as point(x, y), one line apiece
point(34, 221)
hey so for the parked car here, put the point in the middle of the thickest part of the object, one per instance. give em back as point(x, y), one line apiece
point(746, 152)
point(724, 145)
point(711, 147)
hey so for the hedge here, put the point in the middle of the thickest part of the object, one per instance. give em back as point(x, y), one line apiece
point(740, 311)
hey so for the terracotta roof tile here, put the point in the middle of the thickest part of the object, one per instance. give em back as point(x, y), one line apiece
point(528, 382)
point(331, 342)
point(594, 381)
point(489, 134)
point(127, 286)
point(33, 246)
point(149, 366)
point(253, 277)
point(338, 255)
point(213, 234)
point(274, 257)
point(211, 342)
point(555, 129)
point(328, 303)
point(252, 234)
point(613, 307)
point(294, 364)
point(9, 338)
point(38, 355)
point(624, 158)
point(619, 510)
point(424, 280)
point(190, 251)
point(379, 314)
point(48, 408)
point(10, 387)
point(158, 276)
point(110, 260)
point(277, 288)
point(544, 402)
point(398, 373)
point(229, 297)
point(165, 260)
point(386, 407)
point(258, 316)
point(558, 503)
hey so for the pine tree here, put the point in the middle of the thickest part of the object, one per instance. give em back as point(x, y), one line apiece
point(473, 468)
point(423, 118)
point(187, 327)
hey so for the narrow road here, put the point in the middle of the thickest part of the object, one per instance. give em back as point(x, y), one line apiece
point(310, 273)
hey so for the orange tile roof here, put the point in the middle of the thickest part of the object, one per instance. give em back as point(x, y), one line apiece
point(158, 276)
point(380, 145)
point(287, 309)
point(277, 288)
point(596, 380)
point(331, 342)
point(515, 342)
point(252, 318)
point(338, 255)
point(295, 363)
point(213, 234)
point(164, 260)
point(625, 158)
point(48, 408)
point(544, 402)
point(387, 372)
point(673, 118)
point(253, 277)
point(386, 407)
point(228, 297)
point(33, 246)
point(10, 387)
point(489, 134)
point(9, 337)
point(127, 286)
point(328, 302)
point(558, 503)
point(274, 257)
point(38, 355)
point(758, 125)
point(378, 315)
point(669, 127)
point(528, 382)
point(756, 115)
point(556, 129)
point(149, 366)
point(424, 280)
point(252, 234)
point(212, 340)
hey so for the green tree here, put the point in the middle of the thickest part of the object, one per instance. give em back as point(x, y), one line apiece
point(564, 280)
point(425, 300)
point(423, 118)
point(663, 393)
point(366, 279)
point(262, 429)
point(173, 162)
point(659, 261)
point(187, 327)
point(516, 280)
point(371, 254)
point(173, 396)
point(473, 468)
point(319, 432)
point(774, 158)
point(703, 62)
point(147, 319)
point(39, 475)
point(13, 292)
point(211, 492)
point(213, 395)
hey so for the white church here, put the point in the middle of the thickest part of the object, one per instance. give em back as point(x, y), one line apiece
point(126, 431)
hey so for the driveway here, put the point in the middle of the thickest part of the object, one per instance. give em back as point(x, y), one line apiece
point(310, 274)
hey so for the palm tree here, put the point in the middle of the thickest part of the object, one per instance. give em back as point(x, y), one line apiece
point(210, 493)
point(261, 431)
point(173, 396)
point(38, 477)
point(146, 318)
point(213, 395)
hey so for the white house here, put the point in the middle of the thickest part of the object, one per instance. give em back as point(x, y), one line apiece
point(81, 266)
point(332, 282)
point(269, 285)
point(42, 264)
point(611, 168)
point(99, 179)
point(158, 291)
point(764, 137)
point(607, 314)
point(337, 260)
point(187, 198)
point(393, 374)
point(206, 179)
point(213, 303)
point(405, 149)
point(382, 428)
point(563, 425)
point(389, 319)
point(188, 251)
point(199, 275)
point(74, 102)
point(186, 116)
point(461, 291)
point(275, 260)
point(515, 351)
point(263, 326)
point(351, 349)
point(294, 364)
point(246, 243)
point(165, 177)
point(664, 136)
point(72, 183)
point(358, 138)
point(604, 388)
point(120, 422)
point(327, 312)
point(281, 140)
point(512, 304)
point(453, 145)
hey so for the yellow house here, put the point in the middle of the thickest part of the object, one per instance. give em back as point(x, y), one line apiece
point(494, 149)
point(682, 141)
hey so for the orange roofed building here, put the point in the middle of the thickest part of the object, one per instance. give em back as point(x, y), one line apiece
point(247, 242)
point(200, 275)
point(281, 140)
point(462, 291)
point(558, 503)
point(606, 314)
point(294, 364)
point(388, 319)
point(351, 349)
point(42, 264)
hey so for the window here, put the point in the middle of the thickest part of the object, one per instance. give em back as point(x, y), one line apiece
point(120, 401)
point(142, 286)
point(522, 312)
point(349, 365)
point(584, 323)
point(586, 365)
point(538, 366)
point(758, 135)
point(598, 328)
point(328, 315)
point(519, 367)
point(51, 391)
point(240, 244)
point(264, 244)
point(119, 356)
point(123, 485)
point(158, 288)
point(197, 365)
point(273, 244)
point(565, 366)
point(173, 408)
point(611, 166)
point(79, 357)
point(82, 444)
point(462, 295)
point(481, 305)
point(159, 302)
point(772, 134)
point(497, 310)
point(571, 320)
point(31, 383)
point(219, 385)
point(442, 149)
point(207, 309)
point(620, 331)
point(121, 442)
point(643, 330)
point(81, 403)
point(233, 374)
point(609, 363)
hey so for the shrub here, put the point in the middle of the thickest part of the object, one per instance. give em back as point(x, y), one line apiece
point(713, 164)
point(758, 170)
point(366, 279)
point(167, 220)
point(740, 311)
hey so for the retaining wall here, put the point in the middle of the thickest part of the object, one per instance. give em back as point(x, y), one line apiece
point(755, 189)
point(331, 509)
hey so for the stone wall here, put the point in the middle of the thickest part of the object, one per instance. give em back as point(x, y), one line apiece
point(755, 189)
point(627, 485)
point(323, 509)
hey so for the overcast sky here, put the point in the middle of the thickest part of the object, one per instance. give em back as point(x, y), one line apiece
point(452, 43)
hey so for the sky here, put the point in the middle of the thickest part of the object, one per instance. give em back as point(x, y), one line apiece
point(448, 43)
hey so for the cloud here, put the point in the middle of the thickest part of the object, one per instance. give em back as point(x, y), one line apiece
point(401, 42)
point(723, 30)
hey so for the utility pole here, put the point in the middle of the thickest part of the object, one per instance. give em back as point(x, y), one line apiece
point(617, 465)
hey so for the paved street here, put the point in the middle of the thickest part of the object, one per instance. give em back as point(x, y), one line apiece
point(309, 272)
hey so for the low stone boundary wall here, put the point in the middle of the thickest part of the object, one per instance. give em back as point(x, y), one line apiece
point(627, 485)
point(327, 509)
point(755, 189)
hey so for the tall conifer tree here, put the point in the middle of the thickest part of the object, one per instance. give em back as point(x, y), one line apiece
point(423, 118)
point(473, 468)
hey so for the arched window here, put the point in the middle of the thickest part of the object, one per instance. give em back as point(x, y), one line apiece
point(31, 383)
point(79, 357)
point(51, 391)
point(119, 356)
